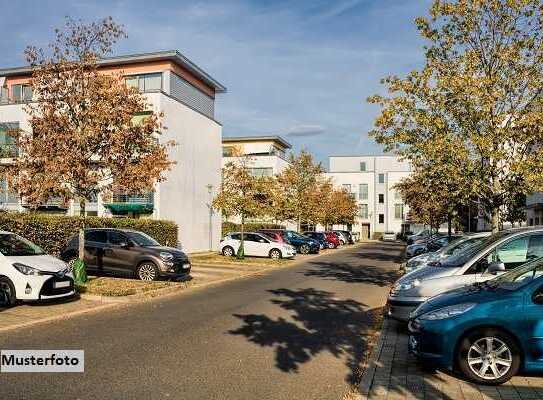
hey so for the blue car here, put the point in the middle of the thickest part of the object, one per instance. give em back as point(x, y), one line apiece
point(488, 331)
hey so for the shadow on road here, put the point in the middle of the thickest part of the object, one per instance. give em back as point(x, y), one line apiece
point(321, 323)
point(348, 273)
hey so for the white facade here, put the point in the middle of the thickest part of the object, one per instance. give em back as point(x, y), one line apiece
point(371, 179)
point(185, 196)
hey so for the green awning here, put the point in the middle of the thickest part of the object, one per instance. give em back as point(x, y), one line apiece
point(123, 208)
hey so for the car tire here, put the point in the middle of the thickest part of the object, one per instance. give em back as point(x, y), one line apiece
point(478, 352)
point(8, 297)
point(228, 251)
point(275, 254)
point(147, 271)
point(304, 249)
point(331, 245)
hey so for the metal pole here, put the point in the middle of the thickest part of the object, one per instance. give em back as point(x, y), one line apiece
point(210, 191)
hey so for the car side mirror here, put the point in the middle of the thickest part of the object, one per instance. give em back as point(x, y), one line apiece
point(537, 297)
point(495, 267)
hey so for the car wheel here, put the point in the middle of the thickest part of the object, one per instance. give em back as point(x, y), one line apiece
point(489, 356)
point(8, 297)
point(228, 251)
point(147, 271)
point(331, 245)
point(304, 249)
point(275, 254)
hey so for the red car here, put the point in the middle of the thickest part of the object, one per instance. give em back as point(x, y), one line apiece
point(332, 240)
point(275, 234)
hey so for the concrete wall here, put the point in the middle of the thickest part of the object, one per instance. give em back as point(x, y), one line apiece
point(184, 197)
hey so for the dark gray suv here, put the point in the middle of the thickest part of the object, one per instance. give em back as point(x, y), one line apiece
point(122, 251)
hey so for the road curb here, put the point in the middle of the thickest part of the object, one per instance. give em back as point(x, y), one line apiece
point(369, 373)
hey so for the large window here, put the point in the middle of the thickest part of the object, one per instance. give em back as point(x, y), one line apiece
point(145, 82)
point(398, 211)
point(363, 211)
point(363, 191)
point(259, 172)
point(21, 93)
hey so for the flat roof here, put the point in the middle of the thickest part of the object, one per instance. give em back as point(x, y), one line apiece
point(272, 138)
point(170, 55)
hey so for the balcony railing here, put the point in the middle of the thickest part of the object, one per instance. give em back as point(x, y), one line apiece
point(8, 151)
point(147, 198)
point(125, 204)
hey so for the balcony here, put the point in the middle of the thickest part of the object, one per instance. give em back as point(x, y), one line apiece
point(123, 204)
point(8, 151)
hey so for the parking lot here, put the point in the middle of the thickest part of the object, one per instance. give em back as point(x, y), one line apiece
point(394, 374)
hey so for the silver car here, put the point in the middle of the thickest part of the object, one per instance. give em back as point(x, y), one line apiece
point(454, 247)
point(478, 263)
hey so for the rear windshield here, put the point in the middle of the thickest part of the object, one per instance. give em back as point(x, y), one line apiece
point(15, 245)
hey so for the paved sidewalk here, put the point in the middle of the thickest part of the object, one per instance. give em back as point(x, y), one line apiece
point(394, 374)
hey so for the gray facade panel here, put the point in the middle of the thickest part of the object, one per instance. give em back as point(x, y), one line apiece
point(183, 91)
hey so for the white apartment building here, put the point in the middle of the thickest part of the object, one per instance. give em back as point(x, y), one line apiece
point(370, 180)
point(267, 154)
point(185, 94)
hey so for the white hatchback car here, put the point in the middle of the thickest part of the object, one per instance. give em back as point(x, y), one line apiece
point(27, 273)
point(256, 244)
point(389, 236)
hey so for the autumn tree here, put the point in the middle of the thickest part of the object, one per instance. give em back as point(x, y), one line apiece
point(85, 140)
point(297, 184)
point(480, 88)
point(242, 194)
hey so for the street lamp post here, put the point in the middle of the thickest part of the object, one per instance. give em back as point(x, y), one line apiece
point(210, 205)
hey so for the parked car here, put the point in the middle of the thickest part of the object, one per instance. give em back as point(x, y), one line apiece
point(27, 273)
point(389, 236)
point(255, 244)
point(123, 251)
point(452, 248)
point(303, 244)
point(345, 237)
point(433, 244)
point(332, 239)
point(501, 251)
point(277, 236)
point(488, 330)
point(319, 237)
point(419, 235)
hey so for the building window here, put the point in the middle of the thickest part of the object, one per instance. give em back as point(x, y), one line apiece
point(531, 222)
point(8, 148)
point(4, 98)
point(145, 82)
point(259, 172)
point(381, 218)
point(346, 187)
point(363, 166)
point(227, 151)
point(21, 93)
point(381, 198)
point(381, 178)
point(363, 211)
point(398, 211)
point(363, 191)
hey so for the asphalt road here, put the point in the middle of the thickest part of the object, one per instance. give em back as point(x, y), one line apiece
point(293, 333)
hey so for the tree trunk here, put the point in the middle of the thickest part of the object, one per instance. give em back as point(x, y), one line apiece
point(241, 251)
point(299, 224)
point(495, 219)
point(449, 225)
point(82, 213)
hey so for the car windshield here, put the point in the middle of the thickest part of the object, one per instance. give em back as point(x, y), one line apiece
point(14, 245)
point(461, 257)
point(141, 239)
point(518, 277)
point(460, 244)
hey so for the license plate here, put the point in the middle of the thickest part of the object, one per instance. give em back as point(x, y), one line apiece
point(58, 285)
point(186, 266)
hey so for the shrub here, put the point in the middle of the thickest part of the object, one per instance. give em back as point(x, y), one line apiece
point(51, 232)
point(377, 235)
point(228, 227)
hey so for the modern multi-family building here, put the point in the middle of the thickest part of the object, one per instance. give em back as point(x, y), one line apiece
point(371, 180)
point(266, 154)
point(185, 94)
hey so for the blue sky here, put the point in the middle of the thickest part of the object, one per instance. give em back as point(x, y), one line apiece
point(299, 69)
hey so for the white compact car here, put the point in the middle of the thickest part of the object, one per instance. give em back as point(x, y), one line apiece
point(256, 244)
point(27, 273)
point(389, 237)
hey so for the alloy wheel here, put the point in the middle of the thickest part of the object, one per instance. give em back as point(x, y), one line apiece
point(275, 254)
point(304, 249)
point(228, 252)
point(489, 358)
point(147, 272)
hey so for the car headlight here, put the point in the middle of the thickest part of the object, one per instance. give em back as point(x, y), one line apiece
point(399, 287)
point(25, 269)
point(165, 255)
point(447, 312)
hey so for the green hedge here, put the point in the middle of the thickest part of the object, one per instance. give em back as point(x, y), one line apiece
point(51, 232)
point(228, 227)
